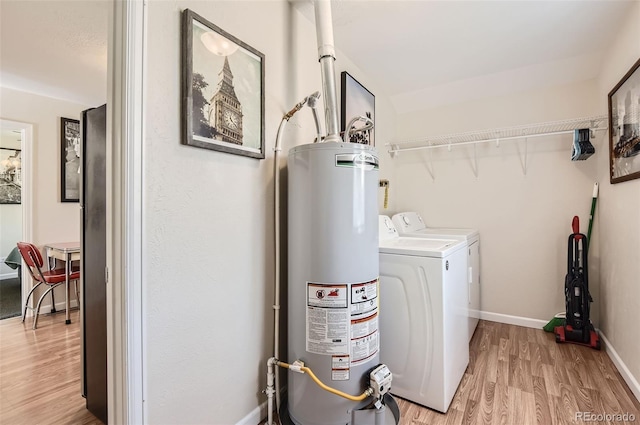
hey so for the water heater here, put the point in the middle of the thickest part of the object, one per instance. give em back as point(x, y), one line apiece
point(333, 277)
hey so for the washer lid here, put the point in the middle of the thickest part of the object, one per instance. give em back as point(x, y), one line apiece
point(420, 247)
point(469, 235)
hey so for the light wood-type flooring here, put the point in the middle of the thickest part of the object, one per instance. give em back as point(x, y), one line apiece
point(516, 376)
point(520, 376)
point(40, 372)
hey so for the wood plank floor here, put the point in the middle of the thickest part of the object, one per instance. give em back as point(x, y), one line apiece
point(521, 376)
point(516, 376)
point(40, 372)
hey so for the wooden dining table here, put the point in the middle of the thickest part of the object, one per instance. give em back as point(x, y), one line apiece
point(67, 252)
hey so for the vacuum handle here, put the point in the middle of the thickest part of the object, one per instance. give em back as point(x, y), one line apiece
point(575, 224)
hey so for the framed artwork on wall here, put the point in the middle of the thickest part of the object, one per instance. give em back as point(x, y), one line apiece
point(10, 176)
point(222, 90)
point(624, 127)
point(356, 100)
point(69, 160)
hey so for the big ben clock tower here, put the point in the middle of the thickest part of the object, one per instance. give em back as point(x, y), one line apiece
point(226, 111)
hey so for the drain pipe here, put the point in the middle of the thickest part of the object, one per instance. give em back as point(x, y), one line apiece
point(327, 57)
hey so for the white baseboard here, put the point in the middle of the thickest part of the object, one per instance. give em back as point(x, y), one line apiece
point(255, 416)
point(626, 374)
point(10, 275)
point(527, 322)
point(45, 309)
point(631, 381)
point(259, 413)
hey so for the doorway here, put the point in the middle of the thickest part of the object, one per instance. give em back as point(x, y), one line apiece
point(15, 212)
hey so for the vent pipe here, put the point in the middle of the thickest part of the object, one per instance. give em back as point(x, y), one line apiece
point(327, 57)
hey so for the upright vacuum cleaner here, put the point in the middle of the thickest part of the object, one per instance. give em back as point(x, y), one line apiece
point(577, 329)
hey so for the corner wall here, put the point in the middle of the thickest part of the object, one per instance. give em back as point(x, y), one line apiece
point(524, 217)
point(619, 218)
point(208, 219)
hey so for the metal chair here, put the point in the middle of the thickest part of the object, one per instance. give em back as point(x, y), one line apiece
point(51, 278)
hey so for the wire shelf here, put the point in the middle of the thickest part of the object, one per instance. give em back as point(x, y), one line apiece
point(499, 134)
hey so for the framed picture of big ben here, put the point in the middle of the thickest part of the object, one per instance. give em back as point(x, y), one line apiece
point(223, 90)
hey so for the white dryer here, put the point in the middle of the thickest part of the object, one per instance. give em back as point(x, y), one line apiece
point(410, 224)
point(423, 315)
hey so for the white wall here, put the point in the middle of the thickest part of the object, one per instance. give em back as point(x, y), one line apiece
point(524, 219)
point(208, 233)
point(619, 219)
point(53, 221)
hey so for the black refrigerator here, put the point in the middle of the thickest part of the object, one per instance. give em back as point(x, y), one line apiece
point(93, 235)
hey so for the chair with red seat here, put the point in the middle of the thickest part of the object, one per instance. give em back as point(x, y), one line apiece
point(51, 278)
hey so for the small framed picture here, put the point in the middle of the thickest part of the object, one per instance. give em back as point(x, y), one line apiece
point(624, 127)
point(223, 90)
point(69, 160)
point(10, 176)
point(357, 101)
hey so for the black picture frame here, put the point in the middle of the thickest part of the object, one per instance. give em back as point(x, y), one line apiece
point(69, 160)
point(624, 128)
point(356, 100)
point(10, 176)
point(216, 113)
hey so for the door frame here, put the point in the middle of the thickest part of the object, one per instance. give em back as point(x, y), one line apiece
point(26, 157)
point(126, 369)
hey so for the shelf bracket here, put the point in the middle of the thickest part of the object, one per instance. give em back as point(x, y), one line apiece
point(523, 160)
point(393, 150)
point(430, 166)
point(475, 160)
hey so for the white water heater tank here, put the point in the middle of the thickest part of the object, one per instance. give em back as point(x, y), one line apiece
point(333, 277)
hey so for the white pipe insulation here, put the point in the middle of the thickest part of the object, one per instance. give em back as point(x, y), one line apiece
point(327, 57)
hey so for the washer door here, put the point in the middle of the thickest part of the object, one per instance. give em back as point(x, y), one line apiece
point(411, 325)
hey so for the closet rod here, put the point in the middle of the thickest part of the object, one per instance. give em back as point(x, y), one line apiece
point(509, 133)
point(446, 145)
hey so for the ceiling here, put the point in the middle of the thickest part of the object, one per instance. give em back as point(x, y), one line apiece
point(421, 54)
point(424, 54)
point(55, 48)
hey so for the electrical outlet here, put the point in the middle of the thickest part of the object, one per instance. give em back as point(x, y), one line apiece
point(384, 183)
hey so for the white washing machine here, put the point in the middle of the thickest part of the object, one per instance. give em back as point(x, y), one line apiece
point(410, 224)
point(423, 315)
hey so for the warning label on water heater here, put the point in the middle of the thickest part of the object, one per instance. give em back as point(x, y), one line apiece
point(340, 367)
point(342, 321)
point(364, 297)
point(364, 321)
point(328, 322)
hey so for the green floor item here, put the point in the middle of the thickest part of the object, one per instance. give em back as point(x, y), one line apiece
point(558, 320)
